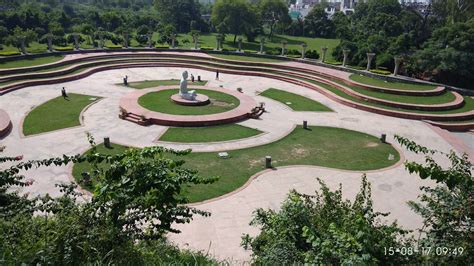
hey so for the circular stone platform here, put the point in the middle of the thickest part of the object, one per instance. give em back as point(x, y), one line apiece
point(200, 100)
point(5, 124)
point(134, 112)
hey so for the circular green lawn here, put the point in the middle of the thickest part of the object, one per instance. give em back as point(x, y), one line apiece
point(320, 146)
point(161, 102)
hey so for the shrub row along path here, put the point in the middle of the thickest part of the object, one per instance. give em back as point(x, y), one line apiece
point(221, 232)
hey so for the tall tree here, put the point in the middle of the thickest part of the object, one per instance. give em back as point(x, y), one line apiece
point(272, 12)
point(234, 16)
point(179, 13)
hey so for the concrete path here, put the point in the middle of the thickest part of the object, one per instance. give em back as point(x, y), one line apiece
point(230, 216)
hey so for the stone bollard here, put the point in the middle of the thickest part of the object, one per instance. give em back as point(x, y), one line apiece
point(149, 37)
point(303, 50)
point(76, 41)
point(50, 42)
point(383, 138)
point(323, 58)
point(283, 48)
point(101, 40)
point(125, 40)
point(107, 142)
point(345, 52)
point(262, 45)
point(370, 57)
point(173, 40)
point(23, 44)
point(268, 162)
point(239, 43)
point(305, 124)
point(398, 62)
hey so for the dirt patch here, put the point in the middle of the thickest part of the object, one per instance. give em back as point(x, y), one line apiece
point(221, 103)
point(299, 151)
point(372, 144)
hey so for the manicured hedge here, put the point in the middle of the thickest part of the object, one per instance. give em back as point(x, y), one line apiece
point(10, 53)
point(162, 46)
point(380, 71)
point(113, 46)
point(63, 49)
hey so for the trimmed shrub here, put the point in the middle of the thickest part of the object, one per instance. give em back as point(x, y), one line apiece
point(334, 63)
point(312, 54)
point(207, 48)
point(161, 46)
point(357, 67)
point(10, 53)
point(380, 71)
point(63, 48)
point(250, 51)
point(114, 46)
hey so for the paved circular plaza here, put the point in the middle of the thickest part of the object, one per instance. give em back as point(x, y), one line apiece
point(220, 233)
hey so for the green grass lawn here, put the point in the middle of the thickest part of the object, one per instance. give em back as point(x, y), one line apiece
point(321, 146)
point(208, 134)
point(55, 114)
point(298, 103)
point(389, 84)
point(161, 102)
point(31, 62)
point(446, 97)
point(155, 83)
point(468, 102)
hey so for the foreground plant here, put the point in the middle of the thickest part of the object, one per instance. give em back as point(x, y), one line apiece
point(136, 202)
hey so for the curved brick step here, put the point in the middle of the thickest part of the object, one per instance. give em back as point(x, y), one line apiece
point(457, 103)
point(434, 92)
point(5, 124)
point(458, 126)
point(444, 117)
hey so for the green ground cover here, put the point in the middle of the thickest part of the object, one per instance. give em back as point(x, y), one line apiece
point(446, 97)
point(155, 83)
point(298, 103)
point(57, 113)
point(208, 134)
point(389, 84)
point(161, 102)
point(468, 102)
point(31, 62)
point(321, 146)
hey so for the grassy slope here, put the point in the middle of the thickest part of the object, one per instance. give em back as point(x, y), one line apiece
point(427, 100)
point(155, 83)
point(31, 62)
point(322, 146)
point(209, 134)
point(55, 114)
point(468, 106)
point(298, 103)
point(390, 85)
point(161, 102)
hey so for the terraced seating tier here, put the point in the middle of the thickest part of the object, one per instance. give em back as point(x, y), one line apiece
point(292, 73)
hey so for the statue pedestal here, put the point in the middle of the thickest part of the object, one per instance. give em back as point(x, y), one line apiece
point(199, 100)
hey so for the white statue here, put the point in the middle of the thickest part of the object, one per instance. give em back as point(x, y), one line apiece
point(183, 88)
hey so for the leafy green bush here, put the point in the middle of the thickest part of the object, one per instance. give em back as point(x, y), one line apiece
point(380, 71)
point(357, 67)
point(325, 229)
point(63, 48)
point(10, 53)
point(312, 54)
point(114, 46)
point(293, 52)
point(229, 50)
point(384, 61)
point(207, 48)
point(250, 51)
point(161, 46)
point(334, 63)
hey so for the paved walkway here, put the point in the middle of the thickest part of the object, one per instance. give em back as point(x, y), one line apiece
point(392, 188)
